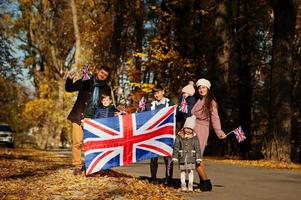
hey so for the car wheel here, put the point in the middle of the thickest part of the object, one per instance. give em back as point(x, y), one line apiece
point(10, 145)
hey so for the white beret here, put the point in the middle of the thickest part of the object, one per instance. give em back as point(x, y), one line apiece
point(203, 82)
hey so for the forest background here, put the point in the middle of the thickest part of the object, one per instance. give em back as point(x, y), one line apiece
point(249, 50)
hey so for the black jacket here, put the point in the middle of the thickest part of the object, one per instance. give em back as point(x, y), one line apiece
point(84, 89)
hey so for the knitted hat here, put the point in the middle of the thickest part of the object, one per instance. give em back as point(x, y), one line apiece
point(189, 89)
point(203, 82)
point(190, 122)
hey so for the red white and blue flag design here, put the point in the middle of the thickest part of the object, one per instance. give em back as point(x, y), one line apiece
point(142, 104)
point(118, 141)
point(239, 134)
point(86, 73)
point(184, 105)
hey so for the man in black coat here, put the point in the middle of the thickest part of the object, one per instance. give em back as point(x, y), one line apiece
point(89, 92)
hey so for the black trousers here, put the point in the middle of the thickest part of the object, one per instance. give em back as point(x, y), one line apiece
point(168, 167)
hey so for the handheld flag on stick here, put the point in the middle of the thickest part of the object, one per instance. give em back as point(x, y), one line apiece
point(142, 104)
point(183, 105)
point(86, 73)
point(239, 134)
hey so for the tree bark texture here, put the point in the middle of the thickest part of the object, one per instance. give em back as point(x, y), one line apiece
point(278, 139)
point(76, 33)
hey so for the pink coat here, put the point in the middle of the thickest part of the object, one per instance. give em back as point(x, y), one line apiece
point(203, 123)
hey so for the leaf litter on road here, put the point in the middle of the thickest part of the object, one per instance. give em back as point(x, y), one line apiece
point(33, 174)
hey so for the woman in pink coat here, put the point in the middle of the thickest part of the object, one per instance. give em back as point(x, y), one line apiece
point(206, 112)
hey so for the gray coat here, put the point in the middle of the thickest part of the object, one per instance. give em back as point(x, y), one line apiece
point(186, 149)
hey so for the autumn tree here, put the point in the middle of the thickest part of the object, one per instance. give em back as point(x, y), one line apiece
point(296, 104)
point(44, 39)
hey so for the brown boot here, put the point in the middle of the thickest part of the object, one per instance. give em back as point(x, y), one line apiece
point(77, 171)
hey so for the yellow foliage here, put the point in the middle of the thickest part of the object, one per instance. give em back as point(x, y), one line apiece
point(44, 90)
point(145, 87)
point(29, 61)
point(263, 163)
point(68, 95)
point(140, 55)
point(130, 62)
point(35, 112)
point(25, 1)
point(36, 108)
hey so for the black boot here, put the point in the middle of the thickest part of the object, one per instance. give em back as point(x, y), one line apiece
point(168, 181)
point(205, 186)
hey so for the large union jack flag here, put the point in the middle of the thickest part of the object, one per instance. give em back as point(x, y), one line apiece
point(117, 141)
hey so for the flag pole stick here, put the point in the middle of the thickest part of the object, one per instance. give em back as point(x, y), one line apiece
point(229, 133)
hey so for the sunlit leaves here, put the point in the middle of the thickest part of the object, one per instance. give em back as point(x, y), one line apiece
point(38, 111)
point(12, 99)
point(37, 174)
point(29, 60)
point(264, 163)
point(140, 55)
point(25, 1)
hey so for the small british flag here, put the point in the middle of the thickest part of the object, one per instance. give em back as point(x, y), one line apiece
point(117, 141)
point(86, 73)
point(239, 134)
point(142, 104)
point(184, 105)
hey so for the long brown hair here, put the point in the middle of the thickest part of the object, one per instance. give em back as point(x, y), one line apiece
point(207, 108)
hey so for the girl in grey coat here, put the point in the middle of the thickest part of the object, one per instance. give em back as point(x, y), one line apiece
point(187, 152)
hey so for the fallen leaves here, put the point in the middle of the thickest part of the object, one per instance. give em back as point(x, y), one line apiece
point(263, 163)
point(32, 174)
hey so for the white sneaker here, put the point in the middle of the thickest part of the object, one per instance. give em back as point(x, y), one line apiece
point(183, 188)
point(190, 187)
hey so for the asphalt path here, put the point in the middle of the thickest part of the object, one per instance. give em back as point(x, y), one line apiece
point(230, 181)
point(233, 181)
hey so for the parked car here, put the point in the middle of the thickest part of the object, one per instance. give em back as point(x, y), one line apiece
point(6, 135)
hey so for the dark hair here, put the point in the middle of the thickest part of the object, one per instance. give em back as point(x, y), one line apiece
point(104, 96)
point(157, 88)
point(208, 103)
point(104, 67)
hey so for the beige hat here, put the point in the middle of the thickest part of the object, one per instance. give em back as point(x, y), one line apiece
point(190, 122)
point(203, 82)
point(189, 89)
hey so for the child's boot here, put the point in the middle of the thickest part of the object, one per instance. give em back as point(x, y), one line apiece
point(205, 186)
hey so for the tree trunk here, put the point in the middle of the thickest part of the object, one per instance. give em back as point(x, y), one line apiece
point(118, 28)
point(224, 41)
point(183, 27)
point(76, 33)
point(221, 69)
point(278, 140)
